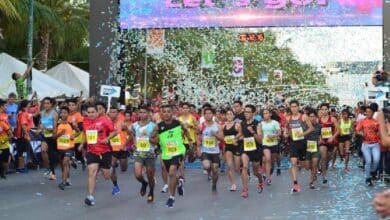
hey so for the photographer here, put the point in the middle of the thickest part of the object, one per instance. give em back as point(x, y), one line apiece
point(380, 78)
point(382, 200)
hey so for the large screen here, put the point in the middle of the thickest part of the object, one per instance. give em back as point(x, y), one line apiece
point(248, 13)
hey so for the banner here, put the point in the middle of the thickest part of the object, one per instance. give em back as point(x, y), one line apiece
point(278, 75)
point(155, 41)
point(238, 66)
point(248, 13)
point(208, 58)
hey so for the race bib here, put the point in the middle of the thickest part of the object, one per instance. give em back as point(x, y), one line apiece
point(270, 141)
point(297, 134)
point(311, 146)
point(64, 141)
point(345, 131)
point(172, 148)
point(47, 133)
point(142, 144)
point(249, 144)
point(92, 136)
point(229, 139)
point(326, 132)
point(209, 142)
point(116, 141)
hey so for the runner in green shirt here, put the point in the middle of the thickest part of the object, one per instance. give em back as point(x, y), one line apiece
point(20, 84)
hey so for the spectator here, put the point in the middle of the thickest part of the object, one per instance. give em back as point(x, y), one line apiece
point(12, 109)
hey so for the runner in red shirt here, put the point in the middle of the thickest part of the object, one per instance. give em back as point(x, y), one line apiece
point(22, 134)
point(98, 131)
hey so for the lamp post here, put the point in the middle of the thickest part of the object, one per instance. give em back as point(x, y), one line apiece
point(30, 42)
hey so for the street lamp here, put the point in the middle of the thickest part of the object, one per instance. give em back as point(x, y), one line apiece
point(30, 42)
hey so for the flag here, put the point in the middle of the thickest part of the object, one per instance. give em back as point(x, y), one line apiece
point(238, 67)
point(208, 58)
point(278, 75)
point(155, 41)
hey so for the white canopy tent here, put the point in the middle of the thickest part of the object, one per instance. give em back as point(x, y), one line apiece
point(43, 84)
point(72, 76)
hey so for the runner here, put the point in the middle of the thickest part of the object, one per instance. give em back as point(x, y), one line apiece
point(48, 125)
point(5, 137)
point(208, 149)
point(369, 129)
point(118, 145)
point(345, 138)
point(313, 154)
point(169, 134)
point(76, 119)
point(251, 149)
point(270, 132)
point(98, 131)
point(22, 135)
point(295, 131)
point(65, 145)
point(190, 123)
point(238, 111)
point(329, 132)
point(232, 133)
point(144, 156)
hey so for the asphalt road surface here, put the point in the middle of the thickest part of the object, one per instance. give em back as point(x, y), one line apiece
point(31, 196)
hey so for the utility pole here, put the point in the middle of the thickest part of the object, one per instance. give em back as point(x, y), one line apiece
point(30, 42)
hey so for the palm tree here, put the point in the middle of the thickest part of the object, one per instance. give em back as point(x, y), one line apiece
point(7, 10)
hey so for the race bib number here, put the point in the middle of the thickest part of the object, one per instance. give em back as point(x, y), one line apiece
point(297, 134)
point(172, 148)
point(270, 141)
point(229, 139)
point(249, 144)
point(47, 133)
point(345, 131)
point(209, 142)
point(326, 132)
point(115, 141)
point(142, 144)
point(92, 136)
point(64, 141)
point(311, 146)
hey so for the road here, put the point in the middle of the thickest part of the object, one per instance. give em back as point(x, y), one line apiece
point(31, 196)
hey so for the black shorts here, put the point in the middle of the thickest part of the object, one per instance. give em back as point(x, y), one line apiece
point(330, 147)
point(122, 154)
point(345, 138)
point(236, 151)
point(298, 149)
point(104, 160)
point(68, 153)
point(254, 156)
point(4, 155)
point(174, 161)
point(213, 158)
point(22, 146)
point(273, 149)
point(51, 144)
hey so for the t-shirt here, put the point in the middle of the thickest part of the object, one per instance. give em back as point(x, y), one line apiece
point(65, 142)
point(12, 108)
point(95, 132)
point(23, 119)
point(76, 117)
point(21, 88)
point(270, 128)
point(370, 129)
point(4, 139)
point(119, 141)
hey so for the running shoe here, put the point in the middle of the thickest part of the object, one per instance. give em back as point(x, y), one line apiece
point(269, 182)
point(68, 183)
point(115, 190)
point(296, 188)
point(260, 187)
point(61, 186)
point(369, 182)
point(164, 188)
point(52, 177)
point(209, 178)
point(312, 186)
point(73, 163)
point(233, 188)
point(278, 172)
point(170, 203)
point(244, 193)
point(150, 197)
point(180, 187)
point(142, 192)
point(90, 201)
point(324, 180)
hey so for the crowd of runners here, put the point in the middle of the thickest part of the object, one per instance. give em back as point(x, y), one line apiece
point(248, 139)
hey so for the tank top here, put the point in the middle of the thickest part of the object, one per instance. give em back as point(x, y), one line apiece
point(229, 135)
point(345, 128)
point(296, 128)
point(118, 141)
point(312, 139)
point(249, 143)
point(270, 128)
point(47, 122)
point(209, 142)
point(327, 129)
point(142, 138)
